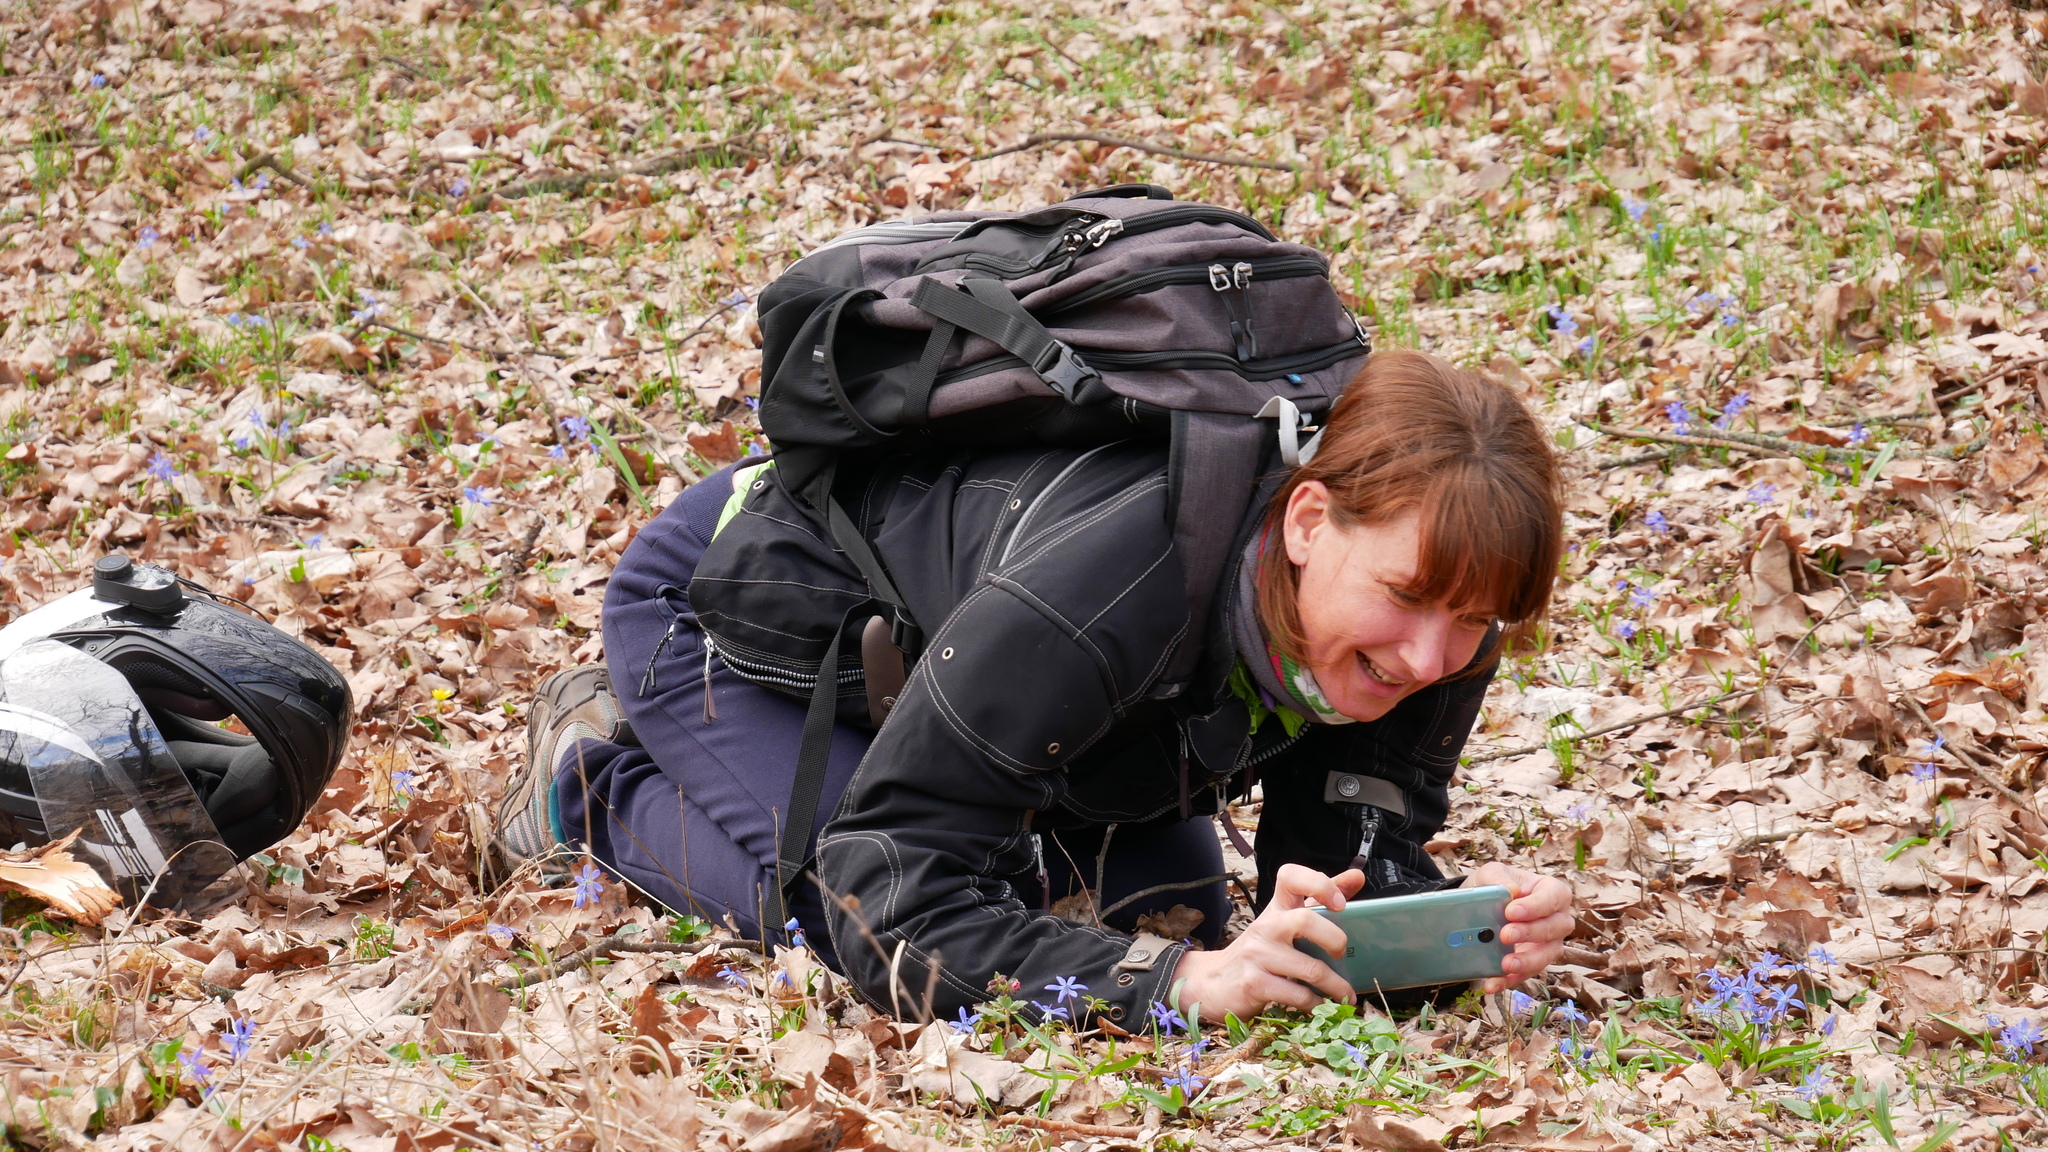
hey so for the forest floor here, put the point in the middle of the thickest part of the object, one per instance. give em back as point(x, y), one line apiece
point(397, 320)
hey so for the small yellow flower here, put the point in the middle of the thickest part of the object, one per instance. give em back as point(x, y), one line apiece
point(443, 693)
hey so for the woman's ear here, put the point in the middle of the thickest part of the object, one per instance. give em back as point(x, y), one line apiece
point(1308, 511)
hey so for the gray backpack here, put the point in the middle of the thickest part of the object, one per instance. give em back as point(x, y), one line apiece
point(1118, 314)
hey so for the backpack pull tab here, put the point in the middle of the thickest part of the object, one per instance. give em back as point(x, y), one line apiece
point(1292, 420)
point(1248, 340)
point(1101, 233)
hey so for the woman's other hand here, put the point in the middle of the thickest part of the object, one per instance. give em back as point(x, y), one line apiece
point(1262, 966)
point(1539, 918)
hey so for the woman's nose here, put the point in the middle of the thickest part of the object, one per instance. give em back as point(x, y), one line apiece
point(1427, 648)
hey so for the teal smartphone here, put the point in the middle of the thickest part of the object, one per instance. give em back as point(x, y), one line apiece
point(1428, 938)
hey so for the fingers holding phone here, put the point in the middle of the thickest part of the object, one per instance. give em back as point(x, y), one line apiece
point(1262, 966)
point(1539, 919)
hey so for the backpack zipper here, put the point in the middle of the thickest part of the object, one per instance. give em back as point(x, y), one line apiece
point(1222, 280)
point(1138, 283)
point(1193, 214)
point(1313, 360)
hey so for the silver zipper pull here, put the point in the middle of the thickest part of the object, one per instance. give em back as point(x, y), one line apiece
point(1241, 275)
point(1219, 278)
point(1100, 233)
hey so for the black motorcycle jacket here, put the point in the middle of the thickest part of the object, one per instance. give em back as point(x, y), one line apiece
point(1051, 599)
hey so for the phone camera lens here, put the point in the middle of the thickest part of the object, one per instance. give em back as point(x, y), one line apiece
point(1486, 935)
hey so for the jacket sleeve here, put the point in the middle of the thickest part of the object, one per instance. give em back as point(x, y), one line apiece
point(1415, 748)
point(1037, 663)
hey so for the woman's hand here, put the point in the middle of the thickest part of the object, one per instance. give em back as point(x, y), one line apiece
point(1539, 918)
point(1262, 966)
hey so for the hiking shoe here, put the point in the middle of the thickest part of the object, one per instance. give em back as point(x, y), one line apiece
point(573, 704)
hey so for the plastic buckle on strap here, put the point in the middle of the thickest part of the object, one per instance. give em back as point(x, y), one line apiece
point(1064, 371)
point(906, 635)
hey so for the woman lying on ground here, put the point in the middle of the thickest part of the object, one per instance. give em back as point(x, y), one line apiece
point(1026, 760)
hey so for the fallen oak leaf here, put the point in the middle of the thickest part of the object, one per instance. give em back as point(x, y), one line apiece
point(54, 876)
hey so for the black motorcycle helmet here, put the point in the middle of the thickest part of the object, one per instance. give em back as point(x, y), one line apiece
point(110, 703)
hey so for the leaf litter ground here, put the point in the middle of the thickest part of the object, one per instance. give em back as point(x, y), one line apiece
point(398, 319)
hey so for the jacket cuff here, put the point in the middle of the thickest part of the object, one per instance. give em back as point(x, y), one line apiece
point(1144, 975)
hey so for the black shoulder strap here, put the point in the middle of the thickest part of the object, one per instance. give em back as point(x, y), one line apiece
point(814, 751)
point(1213, 462)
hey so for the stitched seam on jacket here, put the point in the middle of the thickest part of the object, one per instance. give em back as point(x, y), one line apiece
point(1074, 635)
point(1093, 517)
point(1004, 528)
point(1016, 537)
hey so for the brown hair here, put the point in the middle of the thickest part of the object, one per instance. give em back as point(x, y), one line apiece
point(1412, 433)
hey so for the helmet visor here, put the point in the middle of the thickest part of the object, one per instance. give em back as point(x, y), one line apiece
point(96, 763)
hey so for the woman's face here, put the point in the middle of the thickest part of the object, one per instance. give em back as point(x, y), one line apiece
point(1369, 645)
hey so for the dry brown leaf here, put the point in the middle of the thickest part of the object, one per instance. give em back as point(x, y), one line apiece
point(52, 875)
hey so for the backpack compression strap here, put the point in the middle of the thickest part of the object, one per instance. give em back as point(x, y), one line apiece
point(814, 751)
point(986, 308)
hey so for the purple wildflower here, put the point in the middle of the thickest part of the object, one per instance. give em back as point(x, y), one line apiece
point(732, 976)
point(1635, 207)
point(1859, 435)
point(459, 188)
point(163, 468)
point(147, 238)
point(964, 1022)
point(403, 782)
point(1626, 629)
point(1166, 1019)
point(1924, 772)
point(1814, 1086)
point(1762, 493)
point(236, 1039)
point(2018, 1037)
point(501, 934)
point(1679, 415)
point(1050, 1011)
point(1732, 409)
point(795, 928)
point(1703, 303)
point(1066, 988)
point(589, 886)
point(1561, 320)
point(202, 134)
point(1521, 1003)
point(479, 496)
point(1185, 1080)
point(195, 1068)
point(1570, 1013)
point(1657, 522)
point(99, 80)
point(577, 427)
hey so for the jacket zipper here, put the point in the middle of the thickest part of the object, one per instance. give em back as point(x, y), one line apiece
point(776, 674)
point(1138, 283)
point(1313, 360)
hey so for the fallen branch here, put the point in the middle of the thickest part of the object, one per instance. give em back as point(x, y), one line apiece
point(570, 184)
point(1038, 138)
point(1611, 728)
point(517, 559)
point(269, 160)
point(612, 946)
point(1970, 761)
point(1156, 889)
point(1762, 838)
point(444, 342)
point(1761, 445)
point(1047, 1124)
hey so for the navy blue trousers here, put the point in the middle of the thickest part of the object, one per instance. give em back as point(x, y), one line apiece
point(692, 815)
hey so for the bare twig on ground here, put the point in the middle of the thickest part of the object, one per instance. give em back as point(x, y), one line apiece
point(1048, 1124)
point(1761, 445)
point(443, 341)
point(612, 946)
point(269, 160)
point(1762, 838)
point(1038, 138)
point(518, 558)
point(1969, 760)
point(1612, 728)
point(571, 183)
point(1156, 889)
